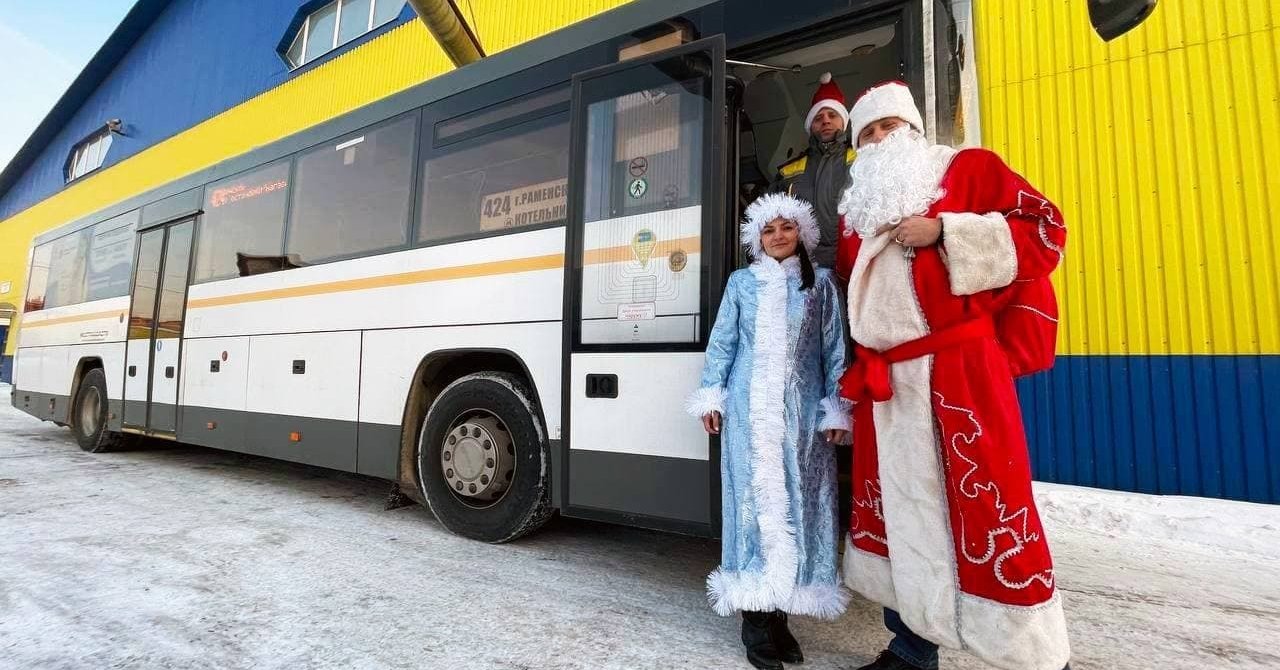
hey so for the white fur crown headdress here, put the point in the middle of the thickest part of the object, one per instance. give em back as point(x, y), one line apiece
point(774, 205)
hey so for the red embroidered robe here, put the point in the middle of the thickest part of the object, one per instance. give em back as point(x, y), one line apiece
point(944, 528)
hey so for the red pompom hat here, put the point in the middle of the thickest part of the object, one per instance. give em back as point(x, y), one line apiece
point(828, 96)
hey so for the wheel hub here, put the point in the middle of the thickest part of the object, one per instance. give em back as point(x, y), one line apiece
point(476, 458)
point(90, 411)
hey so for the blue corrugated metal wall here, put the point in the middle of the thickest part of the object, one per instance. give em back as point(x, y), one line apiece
point(199, 58)
point(1190, 425)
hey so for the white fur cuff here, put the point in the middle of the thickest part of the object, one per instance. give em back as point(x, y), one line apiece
point(705, 401)
point(730, 592)
point(835, 413)
point(980, 252)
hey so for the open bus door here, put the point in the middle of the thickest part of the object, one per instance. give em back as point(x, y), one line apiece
point(644, 270)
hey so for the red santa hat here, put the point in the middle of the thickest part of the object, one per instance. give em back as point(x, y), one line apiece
point(771, 206)
point(891, 98)
point(828, 96)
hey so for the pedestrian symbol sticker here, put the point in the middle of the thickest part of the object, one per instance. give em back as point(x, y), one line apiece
point(642, 245)
point(637, 187)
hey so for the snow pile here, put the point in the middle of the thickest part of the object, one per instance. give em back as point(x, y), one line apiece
point(1216, 524)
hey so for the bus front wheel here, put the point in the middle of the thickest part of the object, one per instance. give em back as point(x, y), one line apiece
point(482, 458)
point(89, 415)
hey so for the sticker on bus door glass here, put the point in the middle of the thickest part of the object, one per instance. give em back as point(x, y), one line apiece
point(642, 244)
point(638, 311)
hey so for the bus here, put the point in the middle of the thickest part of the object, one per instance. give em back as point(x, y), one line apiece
point(493, 289)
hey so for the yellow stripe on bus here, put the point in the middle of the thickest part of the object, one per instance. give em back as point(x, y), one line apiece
point(73, 319)
point(548, 262)
point(688, 245)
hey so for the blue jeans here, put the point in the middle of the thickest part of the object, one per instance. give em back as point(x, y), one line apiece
point(911, 647)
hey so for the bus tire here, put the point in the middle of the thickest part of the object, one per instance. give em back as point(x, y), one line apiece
point(483, 462)
point(89, 414)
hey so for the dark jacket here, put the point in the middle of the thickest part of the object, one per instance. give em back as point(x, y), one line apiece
point(818, 177)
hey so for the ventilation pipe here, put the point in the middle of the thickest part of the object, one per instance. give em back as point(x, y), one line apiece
point(450, 29)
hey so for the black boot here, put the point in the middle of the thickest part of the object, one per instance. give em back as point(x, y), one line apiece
point(888, 660)
point(755, 637)
point(783, 641)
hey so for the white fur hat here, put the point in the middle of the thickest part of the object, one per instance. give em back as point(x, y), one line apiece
point(771, 206)
point(892, 98)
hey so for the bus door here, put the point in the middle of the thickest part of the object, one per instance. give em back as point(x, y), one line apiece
point(645, 267)
point(156, 313)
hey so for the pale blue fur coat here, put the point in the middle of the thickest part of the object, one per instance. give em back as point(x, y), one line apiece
point(773, 365)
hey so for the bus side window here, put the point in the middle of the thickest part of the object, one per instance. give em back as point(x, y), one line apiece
point(503, 180)
point(111, 257)
point(243, 215)
point(351, 196)
point(67, 283)
point(38, 282)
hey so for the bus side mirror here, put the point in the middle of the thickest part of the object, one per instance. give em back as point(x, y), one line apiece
point(1113, 18)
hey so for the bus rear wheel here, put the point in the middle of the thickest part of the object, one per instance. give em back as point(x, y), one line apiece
point(89, 414)
point(482, 459)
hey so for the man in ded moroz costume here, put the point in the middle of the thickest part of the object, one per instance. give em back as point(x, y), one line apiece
point(946, 255)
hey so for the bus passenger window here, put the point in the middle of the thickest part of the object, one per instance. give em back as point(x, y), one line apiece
point(497, 182)
point(242, 215)
point(67, 264)
point(39, 278)
point(646, 149)
point(351, 197)
point(111, 257)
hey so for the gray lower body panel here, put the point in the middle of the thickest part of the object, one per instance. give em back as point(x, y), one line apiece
point(45, 406)
point(38, 405)
point(378, 450)
point(135, 414)
point(633, 484)
point(327, 443)
point(115, 414)
point(163, 419)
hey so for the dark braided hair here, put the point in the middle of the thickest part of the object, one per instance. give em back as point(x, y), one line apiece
point(806, 268)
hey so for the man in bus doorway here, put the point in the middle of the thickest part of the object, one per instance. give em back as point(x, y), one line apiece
point(947, 256)
point(819, 175)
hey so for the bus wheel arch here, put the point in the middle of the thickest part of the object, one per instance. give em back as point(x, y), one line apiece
point(89, 413)
point(495, 402)
point(83, 367)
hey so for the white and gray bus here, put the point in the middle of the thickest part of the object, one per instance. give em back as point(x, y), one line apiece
point(493, 289)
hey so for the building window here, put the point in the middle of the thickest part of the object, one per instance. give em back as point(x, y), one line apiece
point(335, 24)
point(242, 228)
point(503, 180)
point(89, 154)
point(351, 197)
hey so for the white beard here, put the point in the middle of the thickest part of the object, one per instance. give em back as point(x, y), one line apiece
point(891, 180)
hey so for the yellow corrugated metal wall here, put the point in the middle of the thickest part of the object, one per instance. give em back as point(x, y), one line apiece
point(401, 58)
point(1160, 147)
point(502, 24)
point(1157, 147)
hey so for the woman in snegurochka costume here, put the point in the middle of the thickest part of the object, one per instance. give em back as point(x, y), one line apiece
point(770, 389)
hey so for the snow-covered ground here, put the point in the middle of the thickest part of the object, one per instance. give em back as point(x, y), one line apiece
point(189, 558)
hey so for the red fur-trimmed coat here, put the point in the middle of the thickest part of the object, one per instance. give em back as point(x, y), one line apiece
point(944, 528)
